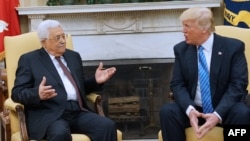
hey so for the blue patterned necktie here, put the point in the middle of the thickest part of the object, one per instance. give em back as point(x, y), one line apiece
point(204, 82)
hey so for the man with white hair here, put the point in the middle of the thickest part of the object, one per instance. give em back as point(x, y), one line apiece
point(50, 84)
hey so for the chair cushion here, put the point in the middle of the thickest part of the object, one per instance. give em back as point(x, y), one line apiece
point(80, 137)
point(76, 137)
point(216, 134)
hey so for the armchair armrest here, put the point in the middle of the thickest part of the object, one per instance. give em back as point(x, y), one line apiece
point(171, 96)
point(22, 121)
point(19, 110)
point(11, 105)
point(97, 100)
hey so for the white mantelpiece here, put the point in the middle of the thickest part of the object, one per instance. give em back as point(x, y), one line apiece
point(120, 31)
point(117, 7)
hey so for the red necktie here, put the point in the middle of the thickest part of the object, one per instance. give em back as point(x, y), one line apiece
point(71, 79)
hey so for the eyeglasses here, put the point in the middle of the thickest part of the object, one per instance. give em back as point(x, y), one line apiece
point(59, 37)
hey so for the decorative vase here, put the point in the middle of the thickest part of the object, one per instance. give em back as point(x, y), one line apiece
point(67, 2)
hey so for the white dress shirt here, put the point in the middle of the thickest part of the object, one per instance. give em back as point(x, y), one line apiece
point(70, 89)
point(208, 48)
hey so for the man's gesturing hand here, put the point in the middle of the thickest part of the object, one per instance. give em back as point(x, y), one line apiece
point(46, 92)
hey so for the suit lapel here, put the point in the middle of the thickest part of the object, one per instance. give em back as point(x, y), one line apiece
point(70, 64)
point(216, 61)
point(46, 61)
point(192, 67)
point(192, 60)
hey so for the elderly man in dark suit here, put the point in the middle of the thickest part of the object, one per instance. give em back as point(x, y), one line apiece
point(209, 80)
point(50, 84)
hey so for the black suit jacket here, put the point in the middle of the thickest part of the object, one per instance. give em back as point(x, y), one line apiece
point(228, 74)
point(31, 68)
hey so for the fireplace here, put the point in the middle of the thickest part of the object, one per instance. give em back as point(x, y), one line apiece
point(135, 94)
point(136, 38)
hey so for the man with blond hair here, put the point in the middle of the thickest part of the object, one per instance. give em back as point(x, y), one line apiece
point(209, 80)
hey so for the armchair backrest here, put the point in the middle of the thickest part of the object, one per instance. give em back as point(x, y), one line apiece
point(242, 34)
point(15, 46)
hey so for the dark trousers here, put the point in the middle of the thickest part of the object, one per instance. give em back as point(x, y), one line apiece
point(96, 127)
point(174, 120)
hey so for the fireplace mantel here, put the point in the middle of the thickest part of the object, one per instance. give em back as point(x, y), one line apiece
point(168, 5)
point(121, 12)
point(146, 30)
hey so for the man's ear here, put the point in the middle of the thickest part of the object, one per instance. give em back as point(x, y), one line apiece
point(43, 43)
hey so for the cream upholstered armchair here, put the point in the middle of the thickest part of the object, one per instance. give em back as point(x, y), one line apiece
point(242, 34)
point(15, 46)
point(216, 134)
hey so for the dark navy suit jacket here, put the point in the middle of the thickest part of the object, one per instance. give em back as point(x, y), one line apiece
point(228, 74)
point(31, 68)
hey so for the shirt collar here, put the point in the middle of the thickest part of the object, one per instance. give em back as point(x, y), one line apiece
point(208, 44)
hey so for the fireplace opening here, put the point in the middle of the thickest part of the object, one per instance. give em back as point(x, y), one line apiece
point(134, 95)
